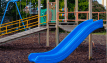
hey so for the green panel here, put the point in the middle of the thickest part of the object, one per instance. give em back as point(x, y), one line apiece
point(53, 15)
point(43, 12)
point(43, 19)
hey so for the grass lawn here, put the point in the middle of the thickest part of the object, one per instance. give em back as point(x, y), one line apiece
point(100, 33)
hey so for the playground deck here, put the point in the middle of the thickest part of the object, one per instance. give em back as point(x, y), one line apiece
point(17, 51)
point(68, 28)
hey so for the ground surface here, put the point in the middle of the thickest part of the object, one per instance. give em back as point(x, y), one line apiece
point(17, 51)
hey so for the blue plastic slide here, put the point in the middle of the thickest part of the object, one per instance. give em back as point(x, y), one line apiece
point(68, 44)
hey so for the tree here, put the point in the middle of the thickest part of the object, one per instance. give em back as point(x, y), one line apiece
point(1, 9)
point(83, 6)
point(98, 8)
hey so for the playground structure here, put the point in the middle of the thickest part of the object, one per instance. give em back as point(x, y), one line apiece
point(68, 44)
point(39, 23)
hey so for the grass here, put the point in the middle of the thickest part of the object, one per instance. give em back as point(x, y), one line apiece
point(100, 33)
point(97, 33)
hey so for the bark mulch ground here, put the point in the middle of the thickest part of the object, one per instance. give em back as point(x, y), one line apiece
point(17, 51)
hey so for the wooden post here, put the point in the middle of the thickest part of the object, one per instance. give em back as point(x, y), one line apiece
point(76, 10)
point(54, 16)
point(67, 13)
point(87, 16)
point(65, 3)
point(57, 22)
point(90, 36)
point(103, 2)
point(47, 38)
point(98, 16)
point(39, 10)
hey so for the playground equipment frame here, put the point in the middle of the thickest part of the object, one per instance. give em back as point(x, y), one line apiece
point(17, 10)
point(57, 20)
point(76, 20)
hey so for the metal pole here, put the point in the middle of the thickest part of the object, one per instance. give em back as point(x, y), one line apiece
point(17, 10)
point(20, 15)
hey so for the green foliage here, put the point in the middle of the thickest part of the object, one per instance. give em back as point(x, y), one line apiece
point(82, 6)
point(61, 4)
point(98, 8)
